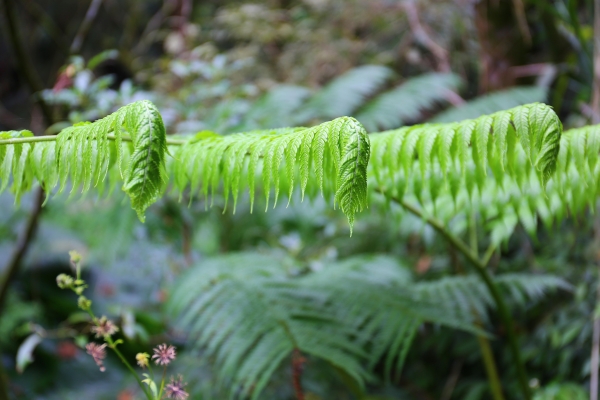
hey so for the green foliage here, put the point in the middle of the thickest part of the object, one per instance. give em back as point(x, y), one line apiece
point(346, 93)
point(493, 102)
point(483, 164)
point(406, 102)
point(331, 157)
point(249, 313)
point(85, 155)
point(561, 391)
point(464, 295)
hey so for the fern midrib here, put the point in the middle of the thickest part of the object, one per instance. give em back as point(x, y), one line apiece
point(35, 139)
point(147, 166)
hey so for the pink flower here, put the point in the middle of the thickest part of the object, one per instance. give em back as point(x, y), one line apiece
point(164, 354)
point(174, 389)
point(98, 352)
point(104, 327)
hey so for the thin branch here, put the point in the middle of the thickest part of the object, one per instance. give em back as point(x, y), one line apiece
point(451, 381)
point(85, 26)
point(24, 63)
point(423, 38)
point(298, 362)
point(519, 8)
point(485, 275)
point(21, 247)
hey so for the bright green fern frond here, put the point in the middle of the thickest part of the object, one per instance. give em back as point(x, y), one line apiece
point(493, 102)
point(128, 145)
point(432, 159)
point(14, 160)
point(396, 107)
point(331, 157)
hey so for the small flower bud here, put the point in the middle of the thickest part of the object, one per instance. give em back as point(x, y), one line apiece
point(64, 281)
point(79, 282)
point(84, 303)
point(79, 290)
point(75, 256)
point(142, 359)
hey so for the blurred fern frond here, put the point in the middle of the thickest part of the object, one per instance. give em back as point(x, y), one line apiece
point(465, 294)
point(249, 311)
point(248, 316)
point(331, 158)
point(275, 109)
point(406, 102)
point(493, 102)
point(128, 145)
point(344, 94)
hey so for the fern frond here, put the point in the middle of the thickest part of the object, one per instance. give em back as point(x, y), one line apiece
point(246, 313)
point(331, 157)
point(344, 94)
point(132, 140)
point(375, 296)
point(464, 295)
point(396, 107)
point(274, 109)
point(428, 160)
point(493, 102)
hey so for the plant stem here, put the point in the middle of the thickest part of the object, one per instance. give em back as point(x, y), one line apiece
point(297, 366)
point(484, 344)
point(21, 247)
point(490, 367)
point(113, 346)
point(24, 64)
point(36, 139)
point(494, 290)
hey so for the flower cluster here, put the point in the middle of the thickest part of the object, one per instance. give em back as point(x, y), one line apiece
point(104, 327)
point(98, 353)
point(163, 355)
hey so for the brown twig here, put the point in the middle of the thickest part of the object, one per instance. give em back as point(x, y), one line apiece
point(421, 36)
point(21, 247)
point(451, 381)
point(298, 362)
point(519, 8)
point(23, 62)
point(85, 26)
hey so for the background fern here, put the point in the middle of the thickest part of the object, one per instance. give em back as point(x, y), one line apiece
point(493, 102)
point(249, 311)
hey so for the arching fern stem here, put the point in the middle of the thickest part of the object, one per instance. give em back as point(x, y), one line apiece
point(481, 270)
point(34, 139)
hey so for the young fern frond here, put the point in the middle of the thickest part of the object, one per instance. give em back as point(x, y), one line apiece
point(129, 146)
point(447, 167)
point(406, 102)
point(132, 140)
point(331, 157)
